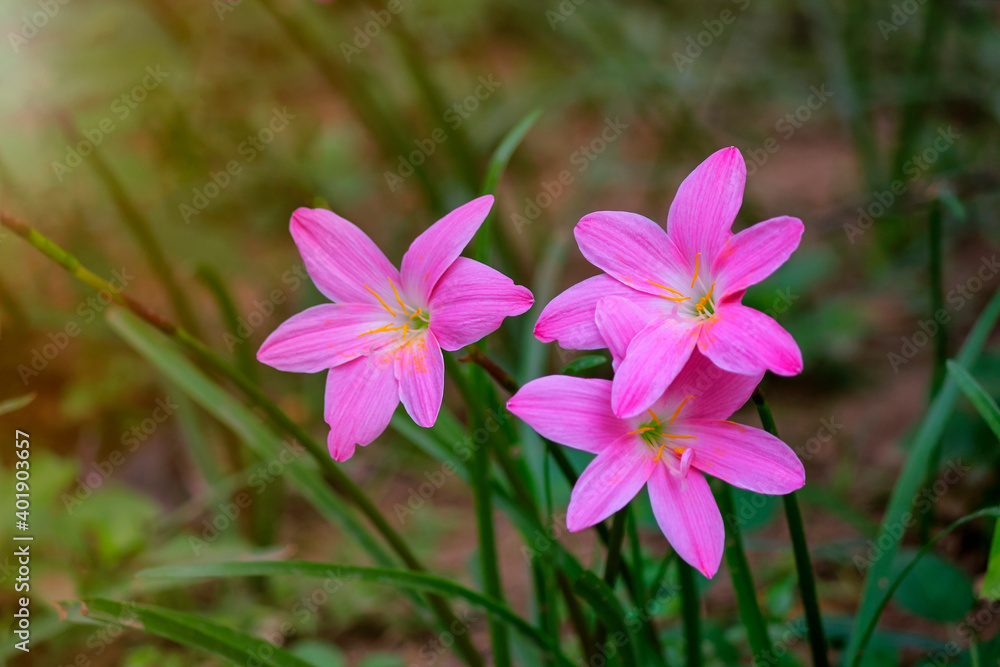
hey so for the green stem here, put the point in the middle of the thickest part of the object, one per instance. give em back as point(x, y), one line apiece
point(739, 571)
point(692, 620)
point(803, 564)
point(334, 476)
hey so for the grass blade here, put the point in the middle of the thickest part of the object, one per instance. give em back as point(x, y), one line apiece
point(417, 581)
point(909, 480)
point(186, 629)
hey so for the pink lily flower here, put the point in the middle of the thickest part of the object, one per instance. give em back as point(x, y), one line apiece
point(382, 337)
point(681, 437)
point(688, 280)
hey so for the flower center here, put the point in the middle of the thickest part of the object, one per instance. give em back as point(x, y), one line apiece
point(411, 319)
point(696, 303)
point(652, 432)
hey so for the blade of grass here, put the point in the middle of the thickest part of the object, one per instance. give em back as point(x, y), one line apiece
point(898, 512)
point(869, 627)
point(419, 581)
point(803, 564)
point(990, 413)
point(185, 629)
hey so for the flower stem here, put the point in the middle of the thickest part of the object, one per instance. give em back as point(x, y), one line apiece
point(803, 565)
point(739, 571)
point(334, 476)
point(692, 621)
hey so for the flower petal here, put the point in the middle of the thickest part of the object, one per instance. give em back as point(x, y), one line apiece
point(633, 249)
point(744, 340)
point(361, 396)
point(471, 300)
point(755, 253)
point(654, 358)
point(714, 393)
point(433, 252)
point(575, 412)
point(619, 321)
point(340, 258)
point(420, 371)
point(702, 214)
point(689, 517)
point(569, 318)
point(744, 456)
point(611, 480)
point(325, 336)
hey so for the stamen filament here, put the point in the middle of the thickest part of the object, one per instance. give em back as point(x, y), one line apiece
point(380, 299)
point(644, 429)
point(653, 415)
point(697, 261)
point(659, 452)
point(669, 289)
point(398, 300)
point(686, 437)
point(678, 410)
point(679, 451)
point(381, 329)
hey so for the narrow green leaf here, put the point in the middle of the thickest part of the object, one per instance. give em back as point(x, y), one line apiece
point(186, 629)
point(881, 603)
point(505, 149)
point(898, 513)
point(982, 401)
point(584, 363)
point(418, 581)
point(242, 421)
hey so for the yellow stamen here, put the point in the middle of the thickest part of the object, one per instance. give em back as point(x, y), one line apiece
point(678, 410)
point(644, 429)
point(704, 299)
point(679, 451)
point(669, 289)
point(398, 300)
point(697, 259)
point(653, 415)
point(381, 329)
point(380, 300)
point(659, 452)
point(686, 437)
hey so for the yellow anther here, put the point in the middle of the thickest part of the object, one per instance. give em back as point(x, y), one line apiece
point(678, 410)
point(679, 451)
point(398, 300)
point(697, 261)
point(644, 429)
point(380, 299)
point(685, 437)
point(659, 452)
point(653, 415)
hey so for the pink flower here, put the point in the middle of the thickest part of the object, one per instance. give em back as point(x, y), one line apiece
point(669, 446)
point(688, 281)
point(382, 337)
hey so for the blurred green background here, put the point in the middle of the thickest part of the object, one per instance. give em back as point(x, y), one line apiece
point(166, 143)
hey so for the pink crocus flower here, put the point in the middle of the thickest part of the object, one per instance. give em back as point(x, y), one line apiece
point(688, 281)
point(678, 438)
point(382, 337)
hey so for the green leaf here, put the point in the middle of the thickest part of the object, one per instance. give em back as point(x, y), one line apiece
point(982, 401)
point(192, 631)
point(12, 404)
point(581, 364)
point(319, 654)
point(242, 421)
point(869, 628)
point(935, 589)
point(417, 581)
point(911, 479)
point(506, 147)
